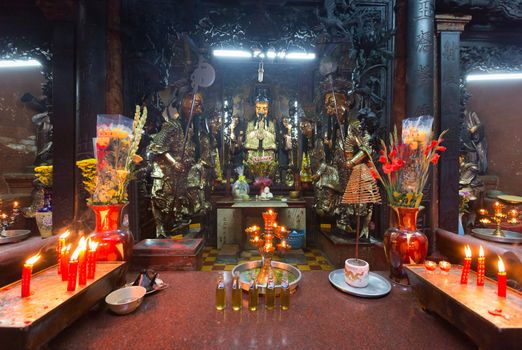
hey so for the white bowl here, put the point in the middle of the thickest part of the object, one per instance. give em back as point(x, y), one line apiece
point(125, 300)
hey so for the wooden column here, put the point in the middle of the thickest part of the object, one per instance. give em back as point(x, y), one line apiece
point(419, 60)
point(64, 124)
point(114, 96)
point(91, 80)
point(449, 28)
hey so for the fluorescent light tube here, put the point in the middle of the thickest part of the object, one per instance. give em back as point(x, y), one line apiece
point(300, 56)
point(494, 76)
point(19, 63)
point(232, 53)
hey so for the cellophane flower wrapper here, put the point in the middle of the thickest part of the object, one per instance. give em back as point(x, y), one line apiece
point(114, 134)
point(240, 188)
point(261, 165)
point(417, 134)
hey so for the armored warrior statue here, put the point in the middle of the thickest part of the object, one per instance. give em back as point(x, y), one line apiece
point(169, 174)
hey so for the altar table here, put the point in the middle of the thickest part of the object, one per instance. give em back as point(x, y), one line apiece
point(320, 317)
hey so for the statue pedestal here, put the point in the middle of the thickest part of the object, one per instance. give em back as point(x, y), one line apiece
point(168, 254)
point(337, 249)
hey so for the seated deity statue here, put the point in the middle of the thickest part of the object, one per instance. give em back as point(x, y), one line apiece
point(260, 137)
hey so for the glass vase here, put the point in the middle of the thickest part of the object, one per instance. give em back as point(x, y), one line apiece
point(114, 243)
point(404, 244)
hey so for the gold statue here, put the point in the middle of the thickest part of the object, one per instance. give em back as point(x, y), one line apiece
point(169, 171)
point(356, 149)
point(260, 134)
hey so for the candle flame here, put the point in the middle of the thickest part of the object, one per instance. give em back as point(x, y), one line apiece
point(483, 211)
point(15, 204)
point(93, 245)
point(32, 260)
point(467, 250)
point(501, 267)
point(65, 234)
point(481, 252)
point(82, 244)
point(497, 204)
point(74, 256)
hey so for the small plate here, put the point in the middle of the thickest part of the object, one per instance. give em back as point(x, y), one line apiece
point(10, 236)
point(377, 287)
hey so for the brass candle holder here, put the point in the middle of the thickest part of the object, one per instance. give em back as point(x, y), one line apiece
point(8, 218)
point(498, 217)
point(265, 243)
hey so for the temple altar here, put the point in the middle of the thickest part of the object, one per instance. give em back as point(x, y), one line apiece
point(260, 174)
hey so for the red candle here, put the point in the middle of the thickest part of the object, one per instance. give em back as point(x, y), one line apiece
point(481, 268)
point(61, 245)
point(91, 259)
point(501, 277)
point(27, 271)
point(73, 271)
point(466, 267)
point(82, 262)
point(64, 262)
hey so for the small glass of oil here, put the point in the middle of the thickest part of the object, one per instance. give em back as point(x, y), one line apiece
point(236, 293)
point(220, 292)
point(253, 293)
point(270, 293)
point(284, 297)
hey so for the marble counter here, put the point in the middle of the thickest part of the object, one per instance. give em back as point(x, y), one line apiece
point(320, 317)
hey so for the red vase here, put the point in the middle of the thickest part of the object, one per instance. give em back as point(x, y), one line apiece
point(404, 244)
point(114, 244)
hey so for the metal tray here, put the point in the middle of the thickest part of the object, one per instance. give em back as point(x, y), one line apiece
point(11, 236)
point(250, 265)
point(377, 287)
point(487, 234)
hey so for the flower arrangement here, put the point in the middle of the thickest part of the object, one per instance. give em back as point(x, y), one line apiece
point(405, 163)
point(465, 196)
point(44, 175)
point(88, 169)
point(106, 177)
point(261, 166)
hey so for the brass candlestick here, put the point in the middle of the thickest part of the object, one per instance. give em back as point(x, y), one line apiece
point(7, 219)
point(498, 217)
point(264, 241)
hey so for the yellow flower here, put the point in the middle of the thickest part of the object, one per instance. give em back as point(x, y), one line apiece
point(137, 159)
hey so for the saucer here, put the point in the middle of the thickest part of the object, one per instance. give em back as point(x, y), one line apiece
point(378, 286)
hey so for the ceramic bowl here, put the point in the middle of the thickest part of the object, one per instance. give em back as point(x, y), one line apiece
point(356, 272)
point(125, 300)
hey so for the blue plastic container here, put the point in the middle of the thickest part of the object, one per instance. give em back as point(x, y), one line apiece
point(297, 239)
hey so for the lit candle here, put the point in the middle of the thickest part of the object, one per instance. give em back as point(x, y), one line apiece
point(481, 268)
point(445, 267)
point(430, 266)
point(27, 271)
point(82, 262)
point(73, 270)
point(64, 262)
point(501, 278)
point(91, 259)
point(466, 267)
point(61, 245)
point(15, 204)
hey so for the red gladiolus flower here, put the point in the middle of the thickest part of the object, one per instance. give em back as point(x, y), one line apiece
point(387, 168)
point(441, 148)
point(382, 159)
point(435, 158)
point(434, 143)
point(397, 164)
point(375, 175)
point(393, 153)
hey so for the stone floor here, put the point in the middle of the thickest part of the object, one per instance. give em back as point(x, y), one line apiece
point(227, 258)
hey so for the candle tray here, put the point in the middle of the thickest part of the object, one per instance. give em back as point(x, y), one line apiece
point(470, 308)
point(27, 323)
